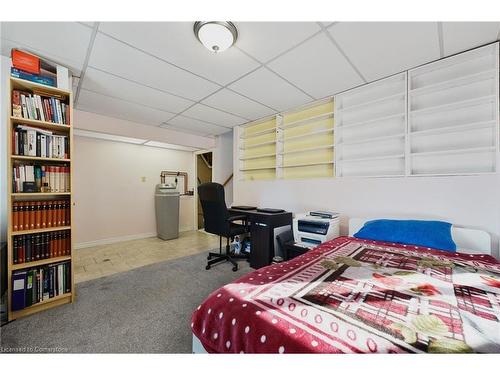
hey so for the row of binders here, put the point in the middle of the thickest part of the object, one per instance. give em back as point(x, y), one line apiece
point(37, 107)
point(28, 178)
point(29, 141)
point(33, 247)
point(29, 215)
point(35, 285)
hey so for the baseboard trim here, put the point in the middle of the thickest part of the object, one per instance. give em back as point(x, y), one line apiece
point(111, 240)
point(108, 241)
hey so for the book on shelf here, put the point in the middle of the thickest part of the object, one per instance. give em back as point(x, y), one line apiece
point(31, 215)
point(30, 141)
point(38, 284)
point(32, 247)
point(34, 106)
point(33, 68)
point(37, 78)
point(25, 61)
point(29, 178)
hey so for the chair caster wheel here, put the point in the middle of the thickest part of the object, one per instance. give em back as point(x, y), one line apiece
point(235, 268)
point(207, 267)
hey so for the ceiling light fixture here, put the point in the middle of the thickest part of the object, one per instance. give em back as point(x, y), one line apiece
point(216, 36)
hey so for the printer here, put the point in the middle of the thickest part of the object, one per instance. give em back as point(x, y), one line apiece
point(313, 228)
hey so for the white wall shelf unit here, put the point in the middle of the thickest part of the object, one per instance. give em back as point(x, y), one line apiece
point(439, 119)
point(306, 141)
point(453, 114)
point(370, 128)
point(257, 150)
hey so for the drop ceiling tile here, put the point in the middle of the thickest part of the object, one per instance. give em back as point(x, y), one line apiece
point(269, 89)
point(107, 84)
point(176, 43)
point(461, 36)
point(65, 43)
point(239, 105)
point(317, 67)
point(379, 49)
point(265, 40)
point(112, 107)
point(214, 116)
point(120, 59)
point(190, 125)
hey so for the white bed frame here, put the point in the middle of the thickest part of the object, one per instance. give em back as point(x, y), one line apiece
point(468, 241)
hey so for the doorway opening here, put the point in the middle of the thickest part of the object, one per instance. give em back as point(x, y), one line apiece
point(203, 175)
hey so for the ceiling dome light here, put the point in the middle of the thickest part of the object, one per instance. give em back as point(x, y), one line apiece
point(217, 36)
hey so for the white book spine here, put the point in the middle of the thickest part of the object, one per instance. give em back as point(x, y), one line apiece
point(43, 146)
point(24, 107)
point(57, 179)
point(40, 107)
point(60, 279)
point(16, 141)
point(58, 108)
point(62, 177)
point(52, 180)
point(63, 143)
point(31, 143)
point(22, 178)
point(49, 146)
point(68, 188)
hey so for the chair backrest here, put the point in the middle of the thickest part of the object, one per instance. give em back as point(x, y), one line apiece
point(213, 203)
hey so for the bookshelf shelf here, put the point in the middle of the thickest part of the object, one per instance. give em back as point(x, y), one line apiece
point(40, 230)
point(308, 149)
point(375, 120)
point(308, 164)
point(42, 262)
point(308, 134)
point(41, 124)
point(37, 194)
point(43, 305)
point(37, 158)
point(22, 84)
point(258, 168)
point(64, 96)
point(257, 156)
point(308, 120)
point(258, 145)
point(372, 102)
point(454, 128)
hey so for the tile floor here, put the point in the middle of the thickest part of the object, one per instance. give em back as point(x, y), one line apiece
point(94, 262)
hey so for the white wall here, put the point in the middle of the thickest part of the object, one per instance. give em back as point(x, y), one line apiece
point(112, 201)
point(223, 163)
point(471, 201)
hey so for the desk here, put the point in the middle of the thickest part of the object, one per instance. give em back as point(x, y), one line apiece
point(262, 233)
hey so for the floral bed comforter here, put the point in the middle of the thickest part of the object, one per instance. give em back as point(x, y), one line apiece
point(358, 296)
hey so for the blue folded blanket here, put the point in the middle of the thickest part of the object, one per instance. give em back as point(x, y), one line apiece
point(427, 233)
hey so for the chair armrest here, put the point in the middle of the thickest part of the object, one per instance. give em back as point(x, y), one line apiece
point(237, 217)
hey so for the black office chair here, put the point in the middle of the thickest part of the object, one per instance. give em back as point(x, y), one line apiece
point(217, 221)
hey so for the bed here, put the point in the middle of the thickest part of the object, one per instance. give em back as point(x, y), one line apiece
point(360, 296)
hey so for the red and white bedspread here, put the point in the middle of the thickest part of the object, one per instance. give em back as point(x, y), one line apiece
point(357, 296)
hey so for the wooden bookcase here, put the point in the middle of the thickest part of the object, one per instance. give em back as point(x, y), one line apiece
point(66, 130)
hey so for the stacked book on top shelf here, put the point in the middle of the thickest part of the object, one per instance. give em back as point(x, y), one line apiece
point(39, 284)
point(40, 179)
point(45, 108)
point(29, 141)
